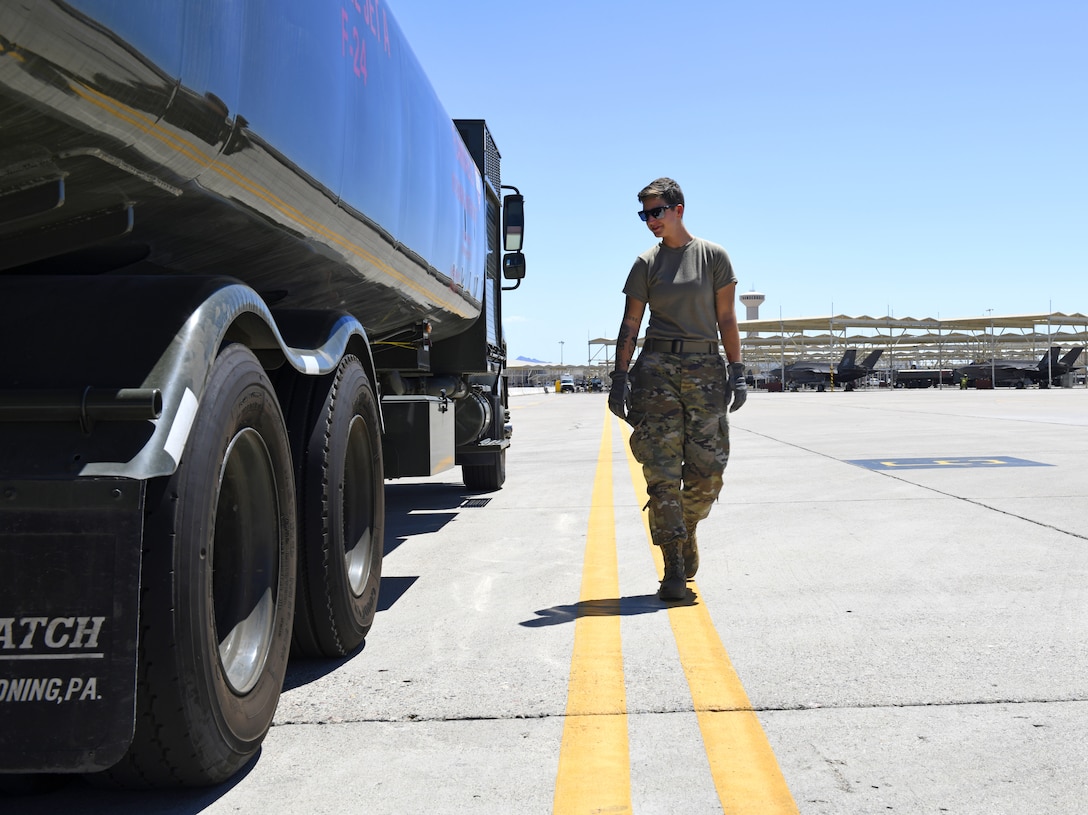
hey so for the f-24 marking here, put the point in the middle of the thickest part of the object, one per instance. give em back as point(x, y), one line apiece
point(937, 463)
point(946, 462)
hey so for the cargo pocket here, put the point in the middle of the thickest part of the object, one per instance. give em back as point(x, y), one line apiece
point(641, 444)
point(723, 439)
point(636, 415)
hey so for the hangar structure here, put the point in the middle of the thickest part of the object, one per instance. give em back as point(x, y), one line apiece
point(908, 342)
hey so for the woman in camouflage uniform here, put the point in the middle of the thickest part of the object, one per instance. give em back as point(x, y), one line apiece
point(678, 395)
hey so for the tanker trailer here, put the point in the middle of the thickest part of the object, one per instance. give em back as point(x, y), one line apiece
point(249, 269)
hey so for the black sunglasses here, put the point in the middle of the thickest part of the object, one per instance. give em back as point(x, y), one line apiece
point(655, 213)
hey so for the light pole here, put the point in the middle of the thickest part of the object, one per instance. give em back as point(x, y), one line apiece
point(560, 352)
point(993, 351)
point(1049, 356)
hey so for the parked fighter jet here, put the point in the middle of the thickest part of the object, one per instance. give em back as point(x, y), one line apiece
point(1023, 372)
point(813, 372)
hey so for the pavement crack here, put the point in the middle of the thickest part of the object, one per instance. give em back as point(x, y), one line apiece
point(804, 708)
point(412, 718)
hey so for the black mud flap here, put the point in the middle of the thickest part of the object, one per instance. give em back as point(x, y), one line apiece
point(69, 607)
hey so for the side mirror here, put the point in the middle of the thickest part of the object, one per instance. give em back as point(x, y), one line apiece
point(513, 266)
point(513, 225)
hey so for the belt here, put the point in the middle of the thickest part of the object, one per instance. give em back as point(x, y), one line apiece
point(681, 346)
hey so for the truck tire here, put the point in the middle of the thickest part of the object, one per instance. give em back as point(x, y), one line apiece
point(217, 593)
point(486, 477)
point(335, 430)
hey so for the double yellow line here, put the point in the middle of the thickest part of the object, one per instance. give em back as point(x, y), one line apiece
point(594, 760)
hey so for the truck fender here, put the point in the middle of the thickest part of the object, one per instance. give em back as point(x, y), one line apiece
point(232, 312)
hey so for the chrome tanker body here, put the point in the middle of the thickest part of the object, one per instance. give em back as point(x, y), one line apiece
point(249, 269)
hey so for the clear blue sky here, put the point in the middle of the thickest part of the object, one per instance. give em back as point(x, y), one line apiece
point(926, 158)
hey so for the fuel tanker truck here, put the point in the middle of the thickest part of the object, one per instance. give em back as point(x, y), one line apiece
point(249, 270)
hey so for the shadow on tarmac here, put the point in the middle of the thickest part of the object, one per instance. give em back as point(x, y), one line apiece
point(612, 607)
point(416, 509)
point(410, 509)
point(47, 794)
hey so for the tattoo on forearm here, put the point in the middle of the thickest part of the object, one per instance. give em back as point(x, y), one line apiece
point(625, 345)
point(626, 339)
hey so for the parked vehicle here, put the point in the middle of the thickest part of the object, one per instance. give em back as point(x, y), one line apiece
point(249, 269)
point(923, 377)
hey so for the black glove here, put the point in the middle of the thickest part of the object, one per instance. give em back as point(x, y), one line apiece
point(618, 395)
point(736, 389)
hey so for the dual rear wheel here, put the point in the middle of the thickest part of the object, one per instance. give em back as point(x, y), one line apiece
point(338, 450)
point(268, 525)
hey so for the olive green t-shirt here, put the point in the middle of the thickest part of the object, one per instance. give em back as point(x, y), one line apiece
point(679, 287)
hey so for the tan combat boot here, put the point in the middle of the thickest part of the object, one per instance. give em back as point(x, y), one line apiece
point(674, 585)
point(691, 554)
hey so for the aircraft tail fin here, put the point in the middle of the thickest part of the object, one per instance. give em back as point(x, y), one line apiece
point(1050, 357)
point(1071, 358)
point(870, 361)
point(847, 360)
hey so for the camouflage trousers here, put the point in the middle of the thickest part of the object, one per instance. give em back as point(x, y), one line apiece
point(680, 437)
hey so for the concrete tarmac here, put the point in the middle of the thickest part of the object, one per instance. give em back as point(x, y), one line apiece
point(899, 580)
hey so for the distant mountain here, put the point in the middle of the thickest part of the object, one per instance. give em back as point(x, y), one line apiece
point(530, 359)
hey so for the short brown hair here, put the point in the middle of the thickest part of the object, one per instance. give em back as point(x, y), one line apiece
point(664, 188)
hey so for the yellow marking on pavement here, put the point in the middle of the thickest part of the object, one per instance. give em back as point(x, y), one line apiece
point(594, 759)
point(743, 765)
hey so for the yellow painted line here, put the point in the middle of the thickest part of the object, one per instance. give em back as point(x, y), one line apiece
point(594, 759)
point(743, 765)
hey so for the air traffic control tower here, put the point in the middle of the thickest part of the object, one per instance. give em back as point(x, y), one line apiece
point(752, 301)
